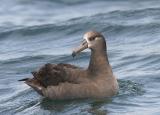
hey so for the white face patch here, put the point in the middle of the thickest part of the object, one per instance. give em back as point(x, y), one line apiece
point(89, 42)
point(86, 38)
point(91, 39)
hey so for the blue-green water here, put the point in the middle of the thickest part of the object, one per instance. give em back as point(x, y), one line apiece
point(34, 32)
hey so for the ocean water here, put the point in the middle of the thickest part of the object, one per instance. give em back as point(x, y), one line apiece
point(35, 32)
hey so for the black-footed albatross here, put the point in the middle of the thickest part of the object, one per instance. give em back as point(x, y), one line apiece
point(65, 81)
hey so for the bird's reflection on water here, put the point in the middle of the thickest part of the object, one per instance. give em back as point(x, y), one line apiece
point(93, 105)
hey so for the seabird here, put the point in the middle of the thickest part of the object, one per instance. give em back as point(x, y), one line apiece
point(65, 81)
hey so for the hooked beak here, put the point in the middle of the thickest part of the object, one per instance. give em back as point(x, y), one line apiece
point(83, 46)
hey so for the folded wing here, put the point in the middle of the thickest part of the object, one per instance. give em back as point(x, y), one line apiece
point(49, 75)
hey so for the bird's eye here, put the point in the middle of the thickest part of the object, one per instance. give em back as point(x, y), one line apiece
point(92, 38)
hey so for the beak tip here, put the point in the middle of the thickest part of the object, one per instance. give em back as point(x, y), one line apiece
point(82, 47)
point(73, 54)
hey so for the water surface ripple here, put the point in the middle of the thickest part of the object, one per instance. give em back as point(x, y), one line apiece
point(33, 33)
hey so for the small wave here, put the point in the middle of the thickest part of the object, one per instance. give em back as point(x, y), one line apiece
point(130, 88)
point(110, 28)
point(30, 59)
point(45, 58)
point(113, 22)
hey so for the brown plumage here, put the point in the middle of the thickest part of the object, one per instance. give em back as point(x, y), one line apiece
point(65, 81)
point(50, 74)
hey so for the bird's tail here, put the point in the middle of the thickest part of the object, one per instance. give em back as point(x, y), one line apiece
point(34, 73)
point(24, 79)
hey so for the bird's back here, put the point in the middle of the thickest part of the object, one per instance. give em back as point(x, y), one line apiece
point(50, 74)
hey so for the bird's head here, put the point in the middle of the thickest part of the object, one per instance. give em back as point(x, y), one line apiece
point(92, 40)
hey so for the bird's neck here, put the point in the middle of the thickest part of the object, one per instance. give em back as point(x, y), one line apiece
point(99, 61)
